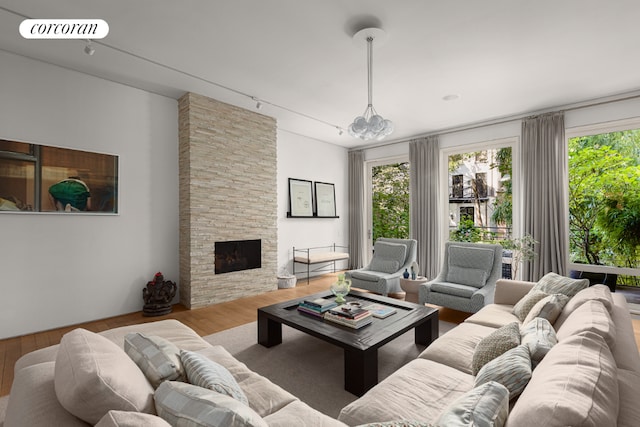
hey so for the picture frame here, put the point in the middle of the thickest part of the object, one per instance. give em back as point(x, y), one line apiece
point(300, 198)
point(325, 199)
point(37, 178)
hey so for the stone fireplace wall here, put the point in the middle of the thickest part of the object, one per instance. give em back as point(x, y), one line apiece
point(227, 162)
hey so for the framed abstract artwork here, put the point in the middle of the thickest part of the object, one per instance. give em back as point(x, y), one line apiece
point(325, 200)
point(300, 198)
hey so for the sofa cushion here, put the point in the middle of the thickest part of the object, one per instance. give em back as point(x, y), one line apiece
point(495, 344)
point(524, 306)
point(590, 316)
point(576, 384)
point(33, 400)
point(298, 413)
point(187, 405)
point(484, 406)
point(409, 394)
point(596, 292)
point(93, 376)
point(512, 370)
point(548, 307)
point(456, 289)
point(628, 385)
point(540, 337)
point(158, 358)
point(388, 257)
point(206, 373)
point(398, 423)
point(131, 419)
point(456, 347)
point(493, 315)
point(264, 396)
point(553, 283)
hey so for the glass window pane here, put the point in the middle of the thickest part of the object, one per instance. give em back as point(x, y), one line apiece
point(17, 185)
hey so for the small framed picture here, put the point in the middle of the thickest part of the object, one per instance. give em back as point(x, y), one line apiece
point(300, 198)
point(325, 200)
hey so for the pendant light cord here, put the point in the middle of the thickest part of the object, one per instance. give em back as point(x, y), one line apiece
point(369, 69)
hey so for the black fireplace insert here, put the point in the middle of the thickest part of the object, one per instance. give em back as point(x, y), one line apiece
point(237, 255)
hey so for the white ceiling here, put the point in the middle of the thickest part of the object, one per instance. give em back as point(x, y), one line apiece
point(502, 57)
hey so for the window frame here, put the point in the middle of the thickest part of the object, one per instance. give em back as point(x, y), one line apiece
point(588, 130)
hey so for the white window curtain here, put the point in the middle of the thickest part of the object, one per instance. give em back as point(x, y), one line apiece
point(356, 209)
point(544, 153)
point(424, 218)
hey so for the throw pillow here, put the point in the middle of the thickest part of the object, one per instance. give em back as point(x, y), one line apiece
point(93, 376)
point(384, 265)
point(512, 370)
point(539, 336)
point(206, 373)
point(553, 283)
point(484, 406)
point(158, 358)
point(494, 345)
point(467, 276)
point(524, 306)
point(388, 257)
point(548, 307)
point(131, 419)
point(187, 405)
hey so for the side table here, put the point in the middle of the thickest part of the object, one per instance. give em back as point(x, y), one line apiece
point(411, 287)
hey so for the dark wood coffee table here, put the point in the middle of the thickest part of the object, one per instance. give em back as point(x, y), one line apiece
point(360, 345)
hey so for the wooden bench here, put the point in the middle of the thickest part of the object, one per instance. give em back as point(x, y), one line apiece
point(323, 258)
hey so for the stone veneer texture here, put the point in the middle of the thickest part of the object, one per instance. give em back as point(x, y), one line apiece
point(227, 161)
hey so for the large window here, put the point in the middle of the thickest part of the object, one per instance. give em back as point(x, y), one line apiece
point(604, 200)
point(387, 199)
point(480, 192)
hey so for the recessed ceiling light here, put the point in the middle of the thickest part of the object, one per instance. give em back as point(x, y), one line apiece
point(451, 97)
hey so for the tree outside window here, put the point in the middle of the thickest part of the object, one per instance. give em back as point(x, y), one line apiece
point(604, 201)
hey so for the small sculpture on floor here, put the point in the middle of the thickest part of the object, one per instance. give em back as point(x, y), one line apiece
point(158, 295)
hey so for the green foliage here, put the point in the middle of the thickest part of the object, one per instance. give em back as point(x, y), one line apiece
point(390, 198)
point(503, 205)
point(604, 199)
point(522, 250)
point(466, 232)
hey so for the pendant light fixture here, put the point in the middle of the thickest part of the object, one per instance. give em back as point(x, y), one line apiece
point(370, 125)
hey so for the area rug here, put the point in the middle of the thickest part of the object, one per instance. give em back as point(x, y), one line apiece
point(308, 367)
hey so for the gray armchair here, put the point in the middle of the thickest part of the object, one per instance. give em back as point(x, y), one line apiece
point(390, 258)
point(467, 279)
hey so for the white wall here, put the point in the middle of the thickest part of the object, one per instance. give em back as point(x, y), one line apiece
point(61, 269)
point(304, 158)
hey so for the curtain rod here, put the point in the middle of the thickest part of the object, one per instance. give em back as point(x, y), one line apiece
point(569, 107)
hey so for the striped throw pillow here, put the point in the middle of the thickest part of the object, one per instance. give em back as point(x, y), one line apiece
point(206, 373)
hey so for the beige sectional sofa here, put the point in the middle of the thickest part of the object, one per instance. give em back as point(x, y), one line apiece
point(34, 398)
point(591, 377)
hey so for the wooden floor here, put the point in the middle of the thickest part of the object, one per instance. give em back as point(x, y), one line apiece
point(204, 321)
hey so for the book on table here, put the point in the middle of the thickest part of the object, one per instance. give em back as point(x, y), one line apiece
point(357, 323)
point(349, 311)
point(316, 307)
point(380, 310)
point(320, 304)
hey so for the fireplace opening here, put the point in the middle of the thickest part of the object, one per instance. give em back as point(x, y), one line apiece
point(237, 255)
